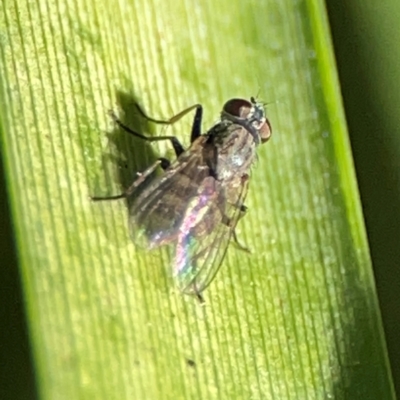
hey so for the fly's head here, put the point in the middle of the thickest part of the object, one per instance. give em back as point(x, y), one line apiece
point(250, 115)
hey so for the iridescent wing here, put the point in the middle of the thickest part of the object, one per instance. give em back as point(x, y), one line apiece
point(187, 206)
point(203, 240)
point(157, 213)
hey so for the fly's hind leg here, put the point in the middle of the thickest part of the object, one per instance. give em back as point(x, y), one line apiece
point(164, 163)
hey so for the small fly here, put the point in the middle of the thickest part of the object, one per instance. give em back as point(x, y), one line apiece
point(197, 201)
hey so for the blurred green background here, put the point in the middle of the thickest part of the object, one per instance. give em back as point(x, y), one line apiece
point(366, 36)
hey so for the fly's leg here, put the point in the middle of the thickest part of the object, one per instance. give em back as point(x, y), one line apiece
point(178, 148)
point(200, 298)
point(198, 294)
point(165, 163)
point(240, 246)
point(228, 222)
point(138, 181)
point(196, 125)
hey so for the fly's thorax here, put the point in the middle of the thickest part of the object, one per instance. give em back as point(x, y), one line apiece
point(235, 153)
point(219, 133)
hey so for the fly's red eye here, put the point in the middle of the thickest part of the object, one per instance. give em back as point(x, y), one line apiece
point(237, 107)
point(265, 131)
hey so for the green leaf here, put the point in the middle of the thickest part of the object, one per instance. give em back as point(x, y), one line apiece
point(298, 318)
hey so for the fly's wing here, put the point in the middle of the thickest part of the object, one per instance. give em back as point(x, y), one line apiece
point(187, 206)
point(156, 214)
point(205, 231)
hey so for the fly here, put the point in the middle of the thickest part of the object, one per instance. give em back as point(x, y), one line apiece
point(197, 201)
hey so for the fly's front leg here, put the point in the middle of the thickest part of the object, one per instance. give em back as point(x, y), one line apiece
point(178, 148)
point(164, 163)
point(196, 125)
point(138, 181)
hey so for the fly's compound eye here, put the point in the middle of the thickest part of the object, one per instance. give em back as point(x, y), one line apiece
point(265, 131)
point(254, 114)
point(237, 108)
